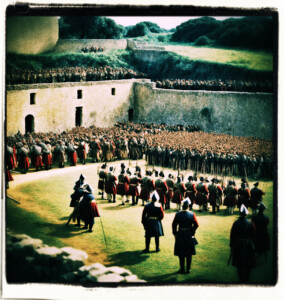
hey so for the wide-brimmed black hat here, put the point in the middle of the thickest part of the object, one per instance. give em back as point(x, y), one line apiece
point(190, 178)
point(161, 174)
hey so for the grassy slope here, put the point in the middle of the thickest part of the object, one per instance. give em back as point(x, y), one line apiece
point(261, 61)
point(47, 203)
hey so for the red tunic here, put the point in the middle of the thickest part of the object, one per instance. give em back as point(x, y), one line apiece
point(123, 186)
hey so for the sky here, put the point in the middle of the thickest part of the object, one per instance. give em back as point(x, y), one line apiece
point(163, 22)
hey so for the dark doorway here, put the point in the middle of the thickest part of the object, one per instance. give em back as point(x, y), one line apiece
point(79, 116)
point(29, 123)
point(130, 115)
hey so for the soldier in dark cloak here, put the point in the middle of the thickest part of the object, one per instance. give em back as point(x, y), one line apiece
point(161, 188)
point(261, 221)
point(123, 184)
point(242, 240)
point(102, 179)
point(184, 226)
point(190, 191)
point(151, 219)
point(255, 197)
point(147, 187)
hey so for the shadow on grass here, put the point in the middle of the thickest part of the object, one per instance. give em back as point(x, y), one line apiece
point(127, 258)
point(60, 230)
point(117, 207)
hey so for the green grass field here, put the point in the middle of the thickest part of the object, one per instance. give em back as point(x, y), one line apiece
point(254, 60)
point(44, 210)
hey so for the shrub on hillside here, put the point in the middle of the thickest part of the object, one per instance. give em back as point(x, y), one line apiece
point(139, 29)
point(89, 27)
point(203, 41)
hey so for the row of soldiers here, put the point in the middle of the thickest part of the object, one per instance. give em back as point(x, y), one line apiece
point(92, 49)
point(131, 183)
point(70, 74)
point(221, 162)
point(217, 85)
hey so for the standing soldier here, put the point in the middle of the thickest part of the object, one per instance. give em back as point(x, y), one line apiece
point(123, 184)
point(60, 154)
point(190, 191)
point(23, 158)
point(256, 197)
point(151, 219)
point(214, 192)
point(262, 236)
point(161, 188)
point(88, 208)
point(102, 179)
point(133, 187)
point(185, 242)
point(72, 154)
point(82, 154)
point(147, 187)
point(111, 188)
point(202, 192)
point(243, 195)
point(179, 190)
point(242, 245)
point(46, 156)
point(95, 149)
point(230, 197)
point(169, 195)
point(35, 152)
point(219, 194)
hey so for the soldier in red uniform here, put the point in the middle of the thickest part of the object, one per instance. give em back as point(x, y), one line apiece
point(111, 188)
point(23, 158)
point(179, 190)
point(72, 154)
point(46, 156)
point(230, 200)
point(243, 195)
point(135, 180)
point(102, 179)
point(82, 154)
point(202, 192)
point(95, 149)
point(151, 219)
point(147, 187)
point(88, 208)
point(169, 195)
point(123, 184)
point(190, 191)
point(161, 188)
point(35, 153)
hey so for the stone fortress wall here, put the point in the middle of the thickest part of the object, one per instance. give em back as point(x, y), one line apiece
point(103, 103)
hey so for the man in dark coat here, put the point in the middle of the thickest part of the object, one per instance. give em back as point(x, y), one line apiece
point(123, 184)
point(151, 219)
point(88, 208)
point(161, 188)
point(202, 194)
point(214, 192)
point(262, 237)
point(102, 179)
point(190, 191)
point(242, 245)
point(147, 187)
point(185, 242)
point(111, 184)
point(256, 197)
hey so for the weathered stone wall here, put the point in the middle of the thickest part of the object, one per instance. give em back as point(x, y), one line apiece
point(28, 260)
point(70, 45)
point(56, 104)
point(31, 35)
point(239, 114)
point(150, 55)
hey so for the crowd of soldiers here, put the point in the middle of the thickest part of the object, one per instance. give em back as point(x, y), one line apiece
point(92, 49)
point(200, 190)
point(177, 147)
point(264, 86)
point(70, 74)
point(82, 74)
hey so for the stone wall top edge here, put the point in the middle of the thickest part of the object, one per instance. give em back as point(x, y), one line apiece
point(17, 87)
point(201, 91)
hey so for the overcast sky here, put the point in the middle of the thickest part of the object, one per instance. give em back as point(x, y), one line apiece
point(163, 22)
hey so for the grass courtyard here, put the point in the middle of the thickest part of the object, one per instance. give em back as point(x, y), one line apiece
point(44, 209)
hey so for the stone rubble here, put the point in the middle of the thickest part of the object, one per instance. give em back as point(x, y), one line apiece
point(30, 260)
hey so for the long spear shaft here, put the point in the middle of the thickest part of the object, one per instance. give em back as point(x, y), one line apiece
point(13, 199)
point(103, 232)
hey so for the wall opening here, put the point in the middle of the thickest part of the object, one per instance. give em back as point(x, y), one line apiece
point(79, 116)
point(113, 91)
point(32, 98)
point(29, 123)
point(130, 115)
point(79, 94)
